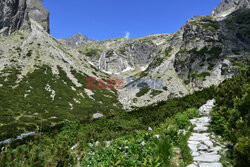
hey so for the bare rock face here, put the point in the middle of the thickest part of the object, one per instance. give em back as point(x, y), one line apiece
point(13, 16)
point(228, 6)
point(120, 55)
point(17, 14)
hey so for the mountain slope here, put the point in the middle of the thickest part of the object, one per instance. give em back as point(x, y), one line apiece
point(42, 81)
point(202, 53)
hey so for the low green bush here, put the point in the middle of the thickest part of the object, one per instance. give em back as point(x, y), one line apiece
point(182, 121)
point(230, 117)
point(192, 113)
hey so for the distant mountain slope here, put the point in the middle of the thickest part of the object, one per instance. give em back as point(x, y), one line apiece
point(202, 53)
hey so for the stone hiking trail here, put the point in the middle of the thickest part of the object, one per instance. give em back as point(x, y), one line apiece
point(203, 145)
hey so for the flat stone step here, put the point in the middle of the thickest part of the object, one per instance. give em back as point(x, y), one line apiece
point(215, 149)
point(203, 148)
point(205, 124)
point(193, 147)
point(207, 158)
point(210, 165)
point(195, 154)
point(199, 137)
point(208, 143)
point(194, 142)
point(192, 165)
point(199, 129)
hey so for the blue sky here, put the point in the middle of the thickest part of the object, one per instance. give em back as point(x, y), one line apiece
point(106, 19)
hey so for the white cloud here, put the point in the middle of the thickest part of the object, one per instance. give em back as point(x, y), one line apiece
point(127, 35)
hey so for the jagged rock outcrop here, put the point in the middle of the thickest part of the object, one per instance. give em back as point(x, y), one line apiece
point(38, 13)
point(210, 47)
point(17, 15)
point(76, 40)
point(228, 6)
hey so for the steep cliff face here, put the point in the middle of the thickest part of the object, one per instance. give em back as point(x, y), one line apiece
point(13, 16)
point(17, 15)
point(211, 47)
point(121, 55)
point(228, 6)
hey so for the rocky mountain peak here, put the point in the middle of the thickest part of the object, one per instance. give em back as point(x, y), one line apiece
point(228, 6)
point(76, 40)
point(18, 15)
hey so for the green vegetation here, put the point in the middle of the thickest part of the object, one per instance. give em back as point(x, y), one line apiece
point(134, 143)
point(144, 89)
point(156, 62)
point(26, 104)
point(211, 66)
point(54, 146)
point(91, 52)
point(215, 51)
point(202, 76)
point(151, 147)
point(155, 92)
point(165, 88)
point(29, 54)
point(109, 53)
point(207, 23)
point(148, 147)
point(231, 116)
point(122, 50)
point(168, 51)
point(238, 23)
point(186, 82)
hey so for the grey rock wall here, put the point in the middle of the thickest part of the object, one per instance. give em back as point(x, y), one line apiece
point(16, 15)
point(13, 16)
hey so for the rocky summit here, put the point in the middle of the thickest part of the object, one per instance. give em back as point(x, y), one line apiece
point(47, 104)
point(76, 40)
point(228, 6)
